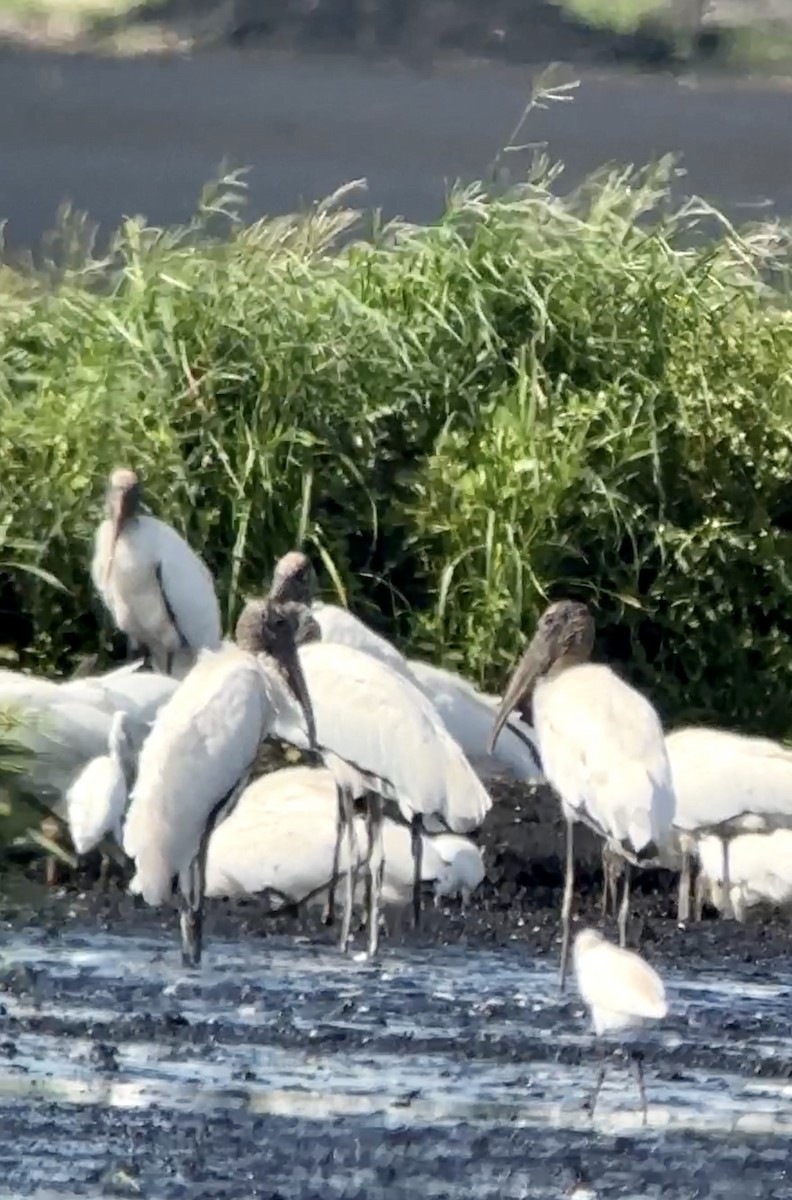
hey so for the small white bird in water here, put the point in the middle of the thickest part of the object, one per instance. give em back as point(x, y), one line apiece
point(601, 743)
point(96, 801)
point(158, 591)
point(621, 991)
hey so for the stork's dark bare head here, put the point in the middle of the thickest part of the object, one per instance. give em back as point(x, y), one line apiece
point(267, 628)
point(293, 578)
point(564, 636)
point(124, 494)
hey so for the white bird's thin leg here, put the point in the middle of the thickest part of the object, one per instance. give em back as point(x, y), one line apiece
point(191, 914)
point(329, 913)
point(728, 907)
point(416, 830)
point(591, 1100)
point(699, 895)
point(566, 904)
point(683, 905)
point(636, 1057)
point(624, 911)
point(349, 826)
point(374, 868)
point(611, 869)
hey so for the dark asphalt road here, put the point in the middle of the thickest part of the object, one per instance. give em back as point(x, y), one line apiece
point(142, 136)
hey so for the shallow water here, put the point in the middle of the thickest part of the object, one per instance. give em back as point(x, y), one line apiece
point(282, 1069)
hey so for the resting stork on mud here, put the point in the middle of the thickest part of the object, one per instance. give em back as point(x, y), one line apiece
point(158, 591)
point(602, 747)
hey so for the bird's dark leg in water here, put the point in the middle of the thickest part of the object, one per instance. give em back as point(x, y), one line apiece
point(416, 834)
point(192, 887)
point(374, 870)
point(328, 916)
point(636, 1058)
point(590, 1103)
point(351, 872)
point(566, 903)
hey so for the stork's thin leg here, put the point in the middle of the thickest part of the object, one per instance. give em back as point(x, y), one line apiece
point(728, 908)
point(349, 824)
point(191, 914)
point(566, 904)
point(699, 893)
point(375, 867)
point(169, 663)
point(104, 872)
point(683, 906)
point(416, 833)
point(624, 911)
point(329, 914)
point(611, 868)
point(591, 1100)
point(636, 1057)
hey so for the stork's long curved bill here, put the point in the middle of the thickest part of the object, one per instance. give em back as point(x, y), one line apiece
point(534, 662)
point(296, 681)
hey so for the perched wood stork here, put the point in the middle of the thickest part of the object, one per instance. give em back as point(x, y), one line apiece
point(158, 591)
point(760, 872)
point(466, 713)
point(199, 754)
point(601, 744)
point(280, 841)
point(726, 784)
point(621, 992)
point(383, 740)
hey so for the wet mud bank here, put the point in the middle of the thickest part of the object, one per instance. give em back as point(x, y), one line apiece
point(451, 1067)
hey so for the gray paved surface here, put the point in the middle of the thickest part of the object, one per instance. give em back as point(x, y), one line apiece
point(132, 136)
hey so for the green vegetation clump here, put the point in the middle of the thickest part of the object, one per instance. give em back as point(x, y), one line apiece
point(536, 396)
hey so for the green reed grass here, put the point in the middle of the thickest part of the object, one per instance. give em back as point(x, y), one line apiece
point(587, 394)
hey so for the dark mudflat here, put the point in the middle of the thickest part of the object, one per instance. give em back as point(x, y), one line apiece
point(449, 1068)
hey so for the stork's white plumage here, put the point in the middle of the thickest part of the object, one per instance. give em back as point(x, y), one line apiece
point(281, 838)
point(601, 744)
point(620, 990)
point(726, 784)
point(759, 869)
point(379, 734)
point(468, 715)
point(156, 588)
point(466, 712)
point(97, 799)
point(200, 752)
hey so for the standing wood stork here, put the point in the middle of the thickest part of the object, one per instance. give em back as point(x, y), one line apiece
point(158, 591)
point(383, 740)
point(601, 743)
point(199, 754)
point(726, 784)
point(621, 992)
point(465, 712)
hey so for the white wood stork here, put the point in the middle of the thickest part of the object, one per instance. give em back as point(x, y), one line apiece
point(200, 752)
point(601, 744)
point(726, 784)
point(760, 872)
point(96, 801)
point(158, 591)
point(383, 740)
point(621, 991)
point(466, 712)
point(280, 840)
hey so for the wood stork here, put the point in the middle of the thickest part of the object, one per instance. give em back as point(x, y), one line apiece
point(466, 713)
point(381, 736)
point(280, 840)
point(601, 744)
point(200, 752)
point(158, 591)
point(621, 992)
point(760, 872)
point(97, 799)
point(726, 784)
